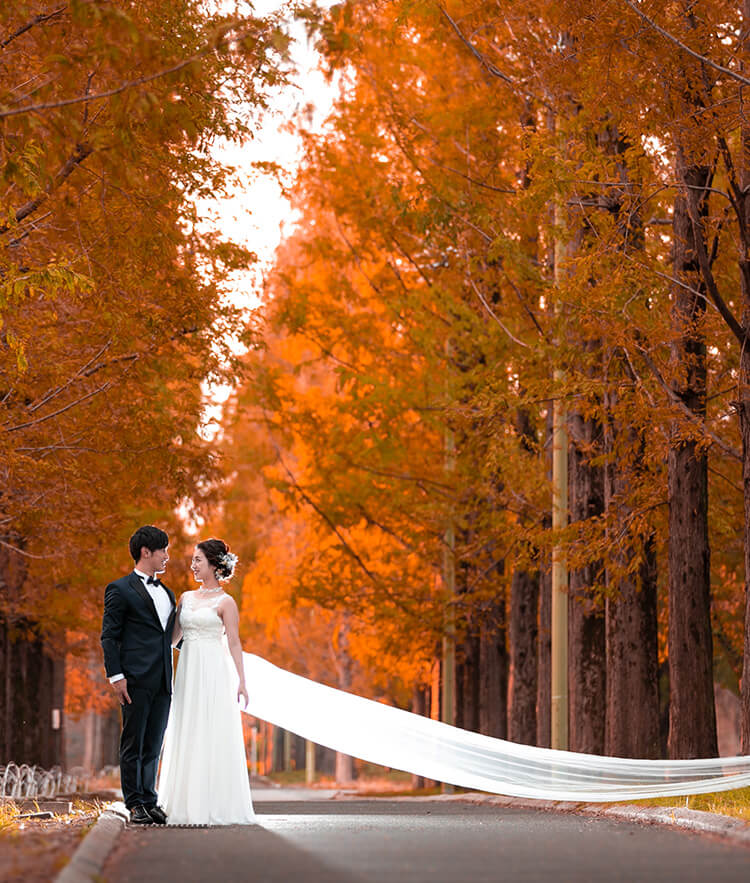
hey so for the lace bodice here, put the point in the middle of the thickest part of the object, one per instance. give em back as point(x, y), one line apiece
point(200, 618)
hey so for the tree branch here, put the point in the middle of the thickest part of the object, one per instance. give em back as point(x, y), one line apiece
point(480, 57)
point(313, 505)
point(123, 87)
point(79, 155)
point(676, 400)
point(399, 476)
point(22, 552)
point(489, 66)
point(727, 315)
point(685, 48)
point(37, 20)
point(83, 398)
point(410, 547)
point(494, 316)
point(53, 393)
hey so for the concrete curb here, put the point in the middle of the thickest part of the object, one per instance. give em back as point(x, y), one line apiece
point(687, 819)
point(693, 820)
point(88, 860)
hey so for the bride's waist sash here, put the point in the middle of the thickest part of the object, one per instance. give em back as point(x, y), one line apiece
point(193, 636)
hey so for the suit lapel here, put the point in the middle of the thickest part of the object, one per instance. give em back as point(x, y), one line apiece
point(171, 596)
point(137, 585)
point(174, 603)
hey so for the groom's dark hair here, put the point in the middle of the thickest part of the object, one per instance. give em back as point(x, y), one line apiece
point(151, 537)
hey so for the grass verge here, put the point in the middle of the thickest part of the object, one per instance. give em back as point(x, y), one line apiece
point(35, 850)
point(727, 803)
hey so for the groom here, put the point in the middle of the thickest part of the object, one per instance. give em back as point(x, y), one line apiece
point(137, 643)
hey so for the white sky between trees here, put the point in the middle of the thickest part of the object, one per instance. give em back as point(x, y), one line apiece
point(255, 213)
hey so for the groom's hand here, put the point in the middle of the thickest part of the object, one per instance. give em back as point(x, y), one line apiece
point(121, 691)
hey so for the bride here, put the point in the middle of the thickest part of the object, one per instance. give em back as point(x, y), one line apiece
point(203, 778)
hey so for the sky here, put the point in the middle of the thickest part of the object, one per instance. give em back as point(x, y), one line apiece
point(256, 214)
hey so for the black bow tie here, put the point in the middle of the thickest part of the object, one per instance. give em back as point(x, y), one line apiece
point(152, 581)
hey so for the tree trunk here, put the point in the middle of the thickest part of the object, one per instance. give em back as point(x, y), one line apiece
point(692, 716)
point(467, 685)
point(524, 626)
point(744, 413)
point(631, 623)
point(32, 685)
point(419, 706)
point(467, 649)
point(493, 671)
point(325, 760)
point(344, 769)
point(277, 753)
point(632, 692)
point(344, 764)
point(522, 689)
point(744, 403)
point(586, 634)
point(544, 643)
point(544, 658)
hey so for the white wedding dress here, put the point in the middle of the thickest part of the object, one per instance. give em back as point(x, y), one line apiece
point(203, 778)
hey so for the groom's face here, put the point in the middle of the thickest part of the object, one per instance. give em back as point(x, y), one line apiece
point(159, 558)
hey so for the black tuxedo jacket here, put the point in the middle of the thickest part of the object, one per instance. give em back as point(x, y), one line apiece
point(133, 640)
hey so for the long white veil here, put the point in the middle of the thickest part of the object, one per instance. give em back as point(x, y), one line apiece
point(399, 739)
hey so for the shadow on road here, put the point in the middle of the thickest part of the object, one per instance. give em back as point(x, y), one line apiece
point(234, 853)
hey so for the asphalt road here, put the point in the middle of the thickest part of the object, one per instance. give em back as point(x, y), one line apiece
point(382, 841)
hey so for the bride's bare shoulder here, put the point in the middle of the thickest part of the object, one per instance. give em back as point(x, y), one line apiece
point(227, 602)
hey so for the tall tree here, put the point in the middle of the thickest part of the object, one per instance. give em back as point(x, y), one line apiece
point(692, 719)
point(109, 320)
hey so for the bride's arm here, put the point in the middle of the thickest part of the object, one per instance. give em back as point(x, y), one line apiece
point(177, 628)
point(231, 617)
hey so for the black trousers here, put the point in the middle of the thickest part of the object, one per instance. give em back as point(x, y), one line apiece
point(143, 723)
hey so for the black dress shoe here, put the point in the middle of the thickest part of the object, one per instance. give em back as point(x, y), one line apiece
point(139, 815)
point(157, 814)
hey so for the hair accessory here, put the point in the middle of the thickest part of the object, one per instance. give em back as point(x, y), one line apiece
point(229, 560)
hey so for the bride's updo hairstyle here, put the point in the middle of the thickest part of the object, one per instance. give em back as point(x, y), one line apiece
point(219, 557)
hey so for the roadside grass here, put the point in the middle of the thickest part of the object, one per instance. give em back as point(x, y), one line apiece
point(9, 813)
point(290, 778)
point(371, 781)
point(727, 803)
point(35, 850)
point(410, 792)
point(367, 774)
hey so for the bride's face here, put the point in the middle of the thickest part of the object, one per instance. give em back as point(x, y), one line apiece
point(202, 570)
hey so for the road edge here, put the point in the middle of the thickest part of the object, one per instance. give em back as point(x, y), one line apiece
point(87, 861)
point(693, 820)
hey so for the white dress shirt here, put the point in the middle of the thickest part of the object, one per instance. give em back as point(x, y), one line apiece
point(159, 597)
point(162, 603)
